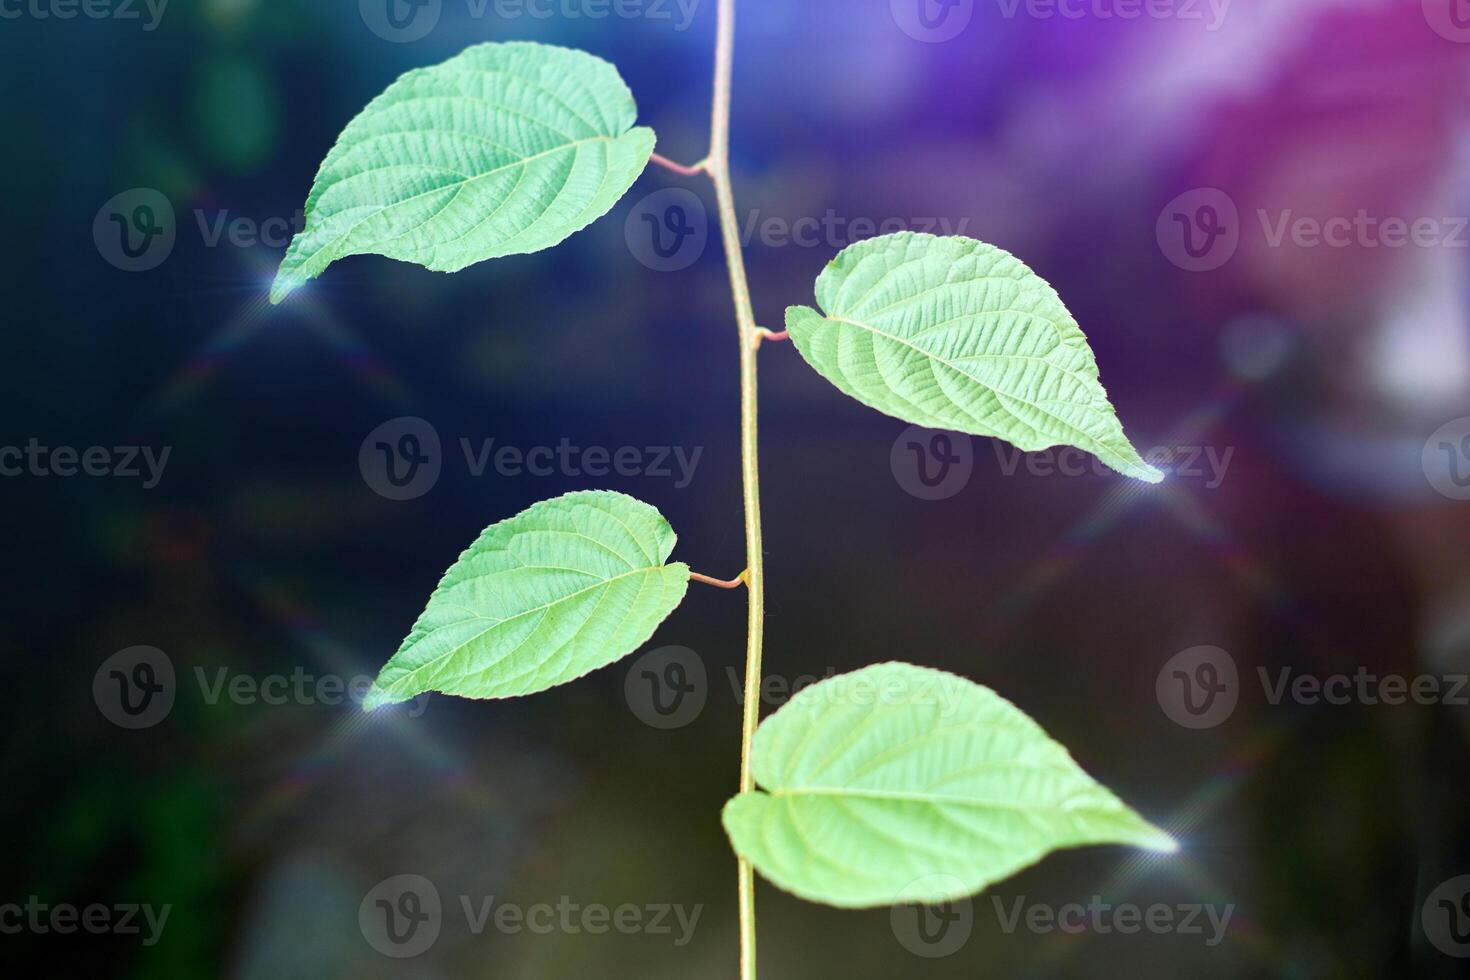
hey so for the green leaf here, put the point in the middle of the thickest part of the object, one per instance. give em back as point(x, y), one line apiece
point(503, 149)
point(951, 333)
point(561, 589)
point(901, 784)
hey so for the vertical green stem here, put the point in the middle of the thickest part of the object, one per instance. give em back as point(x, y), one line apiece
point(718, 166)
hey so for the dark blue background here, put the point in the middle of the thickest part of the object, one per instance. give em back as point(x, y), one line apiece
point(263, 549)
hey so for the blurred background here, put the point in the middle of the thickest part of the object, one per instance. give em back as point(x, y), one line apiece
point(1256, 210)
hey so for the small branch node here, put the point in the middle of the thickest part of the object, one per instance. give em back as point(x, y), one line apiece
point(679, 168)
point(719, 583)
point(774, 336)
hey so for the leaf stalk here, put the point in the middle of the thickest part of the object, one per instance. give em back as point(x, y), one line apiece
point(679, 168)
point(718, 583)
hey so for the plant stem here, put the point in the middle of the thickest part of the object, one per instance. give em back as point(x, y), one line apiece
point(717, 164)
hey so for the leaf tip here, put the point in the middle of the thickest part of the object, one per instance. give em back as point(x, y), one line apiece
point(282, 286)
point(1150, 837)
point(1130, 464)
